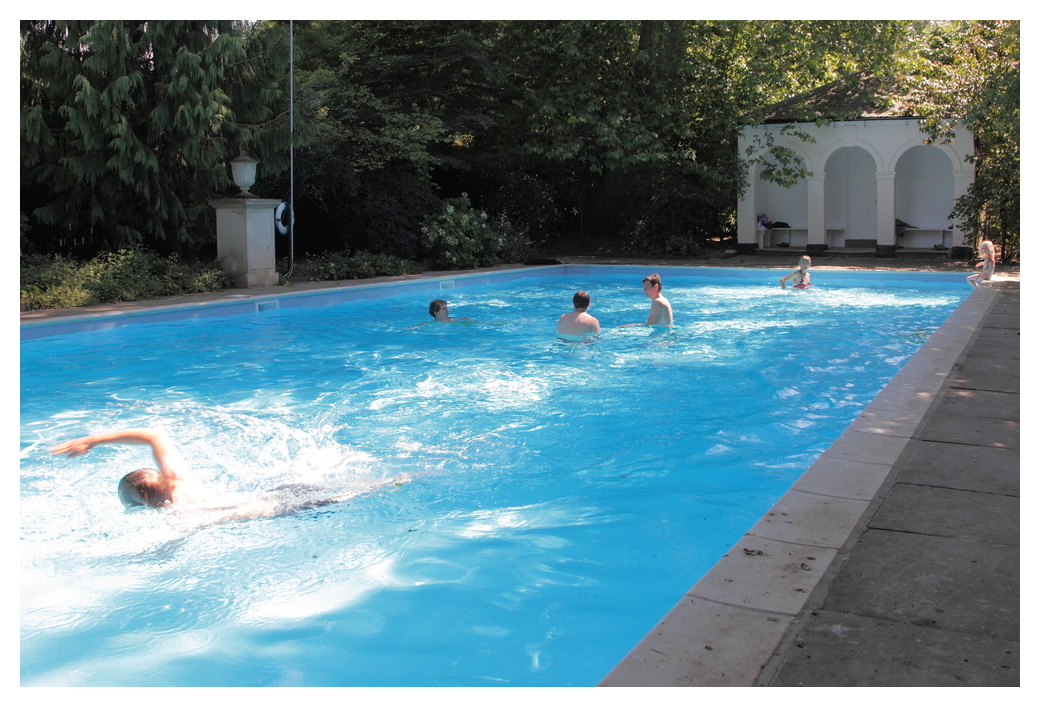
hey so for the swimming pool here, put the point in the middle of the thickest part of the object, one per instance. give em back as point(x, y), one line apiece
point(562, 496)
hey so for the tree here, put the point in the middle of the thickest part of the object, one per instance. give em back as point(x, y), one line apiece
point(127, 126)
point(970, 72)
point(646, 112)
point(390, 103)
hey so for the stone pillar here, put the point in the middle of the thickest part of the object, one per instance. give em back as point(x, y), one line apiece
point(817, 216)
point(245, 240)
point(886, 214)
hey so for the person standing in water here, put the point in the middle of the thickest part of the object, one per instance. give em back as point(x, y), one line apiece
point(169, 488)
point(988, 265)
point(800, 277)
point(660, 309)
point(579, 322)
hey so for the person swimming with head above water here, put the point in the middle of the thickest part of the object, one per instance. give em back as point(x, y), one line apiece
point(439, 312)
point(800, 277)
point(169, 488)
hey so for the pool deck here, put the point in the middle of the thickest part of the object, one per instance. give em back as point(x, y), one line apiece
point(892, 561)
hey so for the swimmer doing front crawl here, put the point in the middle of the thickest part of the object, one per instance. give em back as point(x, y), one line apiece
point(168, 488)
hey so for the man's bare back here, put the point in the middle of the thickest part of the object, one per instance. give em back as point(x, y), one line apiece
point(579, 322)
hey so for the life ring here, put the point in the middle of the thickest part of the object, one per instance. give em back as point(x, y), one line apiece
point(280, 220)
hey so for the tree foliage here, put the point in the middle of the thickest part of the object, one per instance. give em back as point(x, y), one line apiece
point(970, 72)
point(127, 126)
point(605, 128)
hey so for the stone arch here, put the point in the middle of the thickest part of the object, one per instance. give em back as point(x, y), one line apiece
point(880, 161)
point(947, 149)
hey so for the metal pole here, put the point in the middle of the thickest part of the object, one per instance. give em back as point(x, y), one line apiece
point(292, 184)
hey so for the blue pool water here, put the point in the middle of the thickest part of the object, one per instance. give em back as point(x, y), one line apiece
point(555, 499)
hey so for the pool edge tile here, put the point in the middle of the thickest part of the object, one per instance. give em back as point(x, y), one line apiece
point(767, 575)
point(843, 478)
point(806, 518)
point(701, 643)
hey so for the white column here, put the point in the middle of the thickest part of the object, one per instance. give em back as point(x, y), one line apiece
point(245, 240)
point(886, 209)
point(816, 212)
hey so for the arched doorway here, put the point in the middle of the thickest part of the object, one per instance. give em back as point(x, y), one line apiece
point(924, 197)
point(850, 198)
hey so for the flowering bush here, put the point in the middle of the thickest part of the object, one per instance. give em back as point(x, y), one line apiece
point(459, 238)
point(514, 241)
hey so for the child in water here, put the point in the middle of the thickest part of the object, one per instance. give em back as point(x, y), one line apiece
point(988, 264)
point(799, 277)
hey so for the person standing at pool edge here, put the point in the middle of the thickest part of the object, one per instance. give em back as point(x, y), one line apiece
point(579, 322)
point(799, 277)
point(661, 309)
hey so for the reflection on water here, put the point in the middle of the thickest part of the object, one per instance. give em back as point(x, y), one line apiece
point(563, 495)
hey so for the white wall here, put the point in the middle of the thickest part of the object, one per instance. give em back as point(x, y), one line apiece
point(924, 188)
point(788, 205)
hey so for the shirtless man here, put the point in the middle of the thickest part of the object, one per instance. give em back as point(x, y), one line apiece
point(168, 488)
point(579, 322)
point(661, 309)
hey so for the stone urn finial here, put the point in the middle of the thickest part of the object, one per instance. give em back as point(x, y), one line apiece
point(243, 172)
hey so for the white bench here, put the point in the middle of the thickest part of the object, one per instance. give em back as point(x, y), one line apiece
point(925, 237)
point(796, 237)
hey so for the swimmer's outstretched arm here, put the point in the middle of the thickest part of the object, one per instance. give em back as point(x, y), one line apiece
point(162, 447)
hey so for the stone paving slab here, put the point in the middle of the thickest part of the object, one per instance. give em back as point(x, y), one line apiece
point(935, 582)
point(1003, 321)
point(970, 429)
point(987, 404)
point(952, 513)
point(1007, 338)
point(843, 650)
point(998, 374)
point(959, 466)
point(990, 347)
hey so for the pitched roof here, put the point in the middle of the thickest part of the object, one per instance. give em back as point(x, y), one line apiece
point(855, 97)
